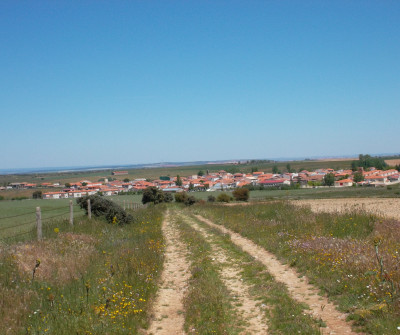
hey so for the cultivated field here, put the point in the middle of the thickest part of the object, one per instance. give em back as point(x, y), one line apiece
point(392, 162)
point(389, 208)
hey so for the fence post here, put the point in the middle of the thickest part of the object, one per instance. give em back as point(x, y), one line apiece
point(89, 209)
point(71, 213)
point(39, 223)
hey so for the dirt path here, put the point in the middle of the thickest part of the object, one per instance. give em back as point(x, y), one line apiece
point(168, 308)
point(249, 309)
point(300, 290)
point(387, 207)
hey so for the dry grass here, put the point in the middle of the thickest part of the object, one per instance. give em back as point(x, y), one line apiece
point(61, 259)
point(389, 208)
point(392, 162)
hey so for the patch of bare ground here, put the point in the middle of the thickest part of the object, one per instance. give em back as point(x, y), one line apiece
point(168, 315)
point(248, 308)
point(299, 288)
point(386, 207)
point(61, 259)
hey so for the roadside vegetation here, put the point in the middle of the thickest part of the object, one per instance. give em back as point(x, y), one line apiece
point(92, 278)
point(352, 257)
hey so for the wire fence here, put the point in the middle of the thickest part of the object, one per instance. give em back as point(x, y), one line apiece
point(34, 227)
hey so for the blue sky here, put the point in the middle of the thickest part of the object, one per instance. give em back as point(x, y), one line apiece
point(120, 82)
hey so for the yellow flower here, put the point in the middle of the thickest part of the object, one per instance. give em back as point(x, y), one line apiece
point(56, 230)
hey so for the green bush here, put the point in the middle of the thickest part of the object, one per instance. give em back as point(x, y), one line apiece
point(181, 197)
point(190, 200)
point(241, 194)
point(168, 197)
point(107, 208)
point(211, 198)
point(1, 197)
point(223, 197)
point(152, 194)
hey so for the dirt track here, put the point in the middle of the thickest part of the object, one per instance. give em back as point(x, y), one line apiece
point(299, 288)
point(386, 207)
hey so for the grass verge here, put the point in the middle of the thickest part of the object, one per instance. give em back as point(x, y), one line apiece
point(340, 253)
point(92, 278)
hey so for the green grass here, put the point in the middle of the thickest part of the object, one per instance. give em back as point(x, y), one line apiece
point(315, 193)
point(284, 314)
point(19, 216)
point(207, 304)
point(94, 278)
point(336, 252)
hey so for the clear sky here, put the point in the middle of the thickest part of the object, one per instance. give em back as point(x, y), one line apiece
point(120, 82)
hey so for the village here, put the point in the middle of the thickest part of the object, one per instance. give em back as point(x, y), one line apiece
point(217, 181)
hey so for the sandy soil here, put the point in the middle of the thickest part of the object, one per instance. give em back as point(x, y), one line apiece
point(299, 288)
point(168, 308)
point(248, 308)
point(387, 207)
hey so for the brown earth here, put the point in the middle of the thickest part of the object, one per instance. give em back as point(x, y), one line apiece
point(386, 207)
point(168, 308)
point(299, 288)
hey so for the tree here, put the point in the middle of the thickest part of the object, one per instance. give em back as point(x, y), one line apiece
point(126, 180)
point(37, 195)
point(288, 168)
point(275, 169)
point(241, 194)
point(200, 173)
point(191, 187)
point(67, 185)
point(358, 176)
point(152, 194)
point(329, 179)
point(254, 169)
point(178, 181)
point(84, 183)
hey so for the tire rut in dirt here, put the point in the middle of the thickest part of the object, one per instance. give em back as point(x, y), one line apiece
point(299, 289)
point(168, 308)
point(249, 309)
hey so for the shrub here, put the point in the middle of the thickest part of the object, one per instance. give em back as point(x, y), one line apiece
point(211, 198)
point(223, 197)
point(180, 197)
point(241, 194)
point(168, 197)
point(1, 197)
point(190, 200)
point(107, 208)
point(152, 194)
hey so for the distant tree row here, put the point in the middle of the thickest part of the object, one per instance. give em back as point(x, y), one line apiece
point(367, 161)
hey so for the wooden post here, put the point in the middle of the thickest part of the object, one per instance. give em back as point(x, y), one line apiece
point(71, 213)
point(89, 210)
point(39, 223)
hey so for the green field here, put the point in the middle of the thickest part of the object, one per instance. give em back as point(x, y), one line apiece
point(18, 217)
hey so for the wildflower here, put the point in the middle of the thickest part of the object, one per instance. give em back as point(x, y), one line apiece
point(56, 230)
